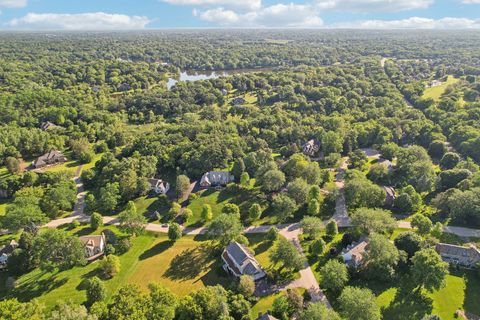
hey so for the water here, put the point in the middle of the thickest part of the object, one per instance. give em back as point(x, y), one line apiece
point(205, 75)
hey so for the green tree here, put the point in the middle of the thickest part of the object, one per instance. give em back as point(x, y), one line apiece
point(182, 185)
point(231, 209)
point(131, 221)
point(245, 180)
point(70, 311)
point(358, 159)
point(428, 270)
point(161, 303)
point(373, 220)
point(422, 223)
point(13, 165)
point(96, 221)
point(287, 254)
point(298, 190)
point(255, 212)
point(206, 303)
point(174, 232)
point(312, 227)
point(22, 213)
point(359, 304)
point(331, 228)
point(12, 309)
point(96, 291)
point(224, 228)
point(449, 160)
point(238, 168)
point(272, 234)
point(272, 180)
point(318, 311)
point(318, 246)
point(334, 275)
point(332, 142)
point(206, 214)
point(283, 207)
point(109, 266)
point(109, 197)
point(128, 303)
point(409, 242)
point(246, 286)
point(315, 193)
point(313, 207)
point(381, 258)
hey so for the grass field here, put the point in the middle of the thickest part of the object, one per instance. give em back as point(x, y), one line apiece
point(182, 267)
point(72, 165)
point(436, 92)
point(3, 206)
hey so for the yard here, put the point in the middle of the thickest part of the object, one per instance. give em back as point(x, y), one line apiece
point(436, 92)
point(182, 267)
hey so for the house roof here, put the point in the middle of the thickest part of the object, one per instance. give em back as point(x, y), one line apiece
point(266, 316)
point(47, 156)
point(356, 250)
point(8, 249)
point(242, 257)
point(92, 241)
point(155, 182)
point(459, 251)
point(215, 177)
point(390, 191)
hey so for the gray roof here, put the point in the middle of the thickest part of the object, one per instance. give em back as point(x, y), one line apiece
point(266, 316)
point(238, 252)
point(459, 251)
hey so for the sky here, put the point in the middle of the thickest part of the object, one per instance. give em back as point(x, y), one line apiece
point(166, 14)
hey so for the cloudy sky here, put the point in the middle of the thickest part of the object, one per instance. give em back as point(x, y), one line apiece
point(153, 14)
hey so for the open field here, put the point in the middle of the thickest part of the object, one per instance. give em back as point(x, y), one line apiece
point(436, 92)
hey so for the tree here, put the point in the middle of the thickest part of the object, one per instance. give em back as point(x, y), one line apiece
point(128, 303)
point(357, 160)
point(206, 214)
point(96, 291)
point(315, 193)
point(361, 192)
point(409, 242)
point(331, 228)
point(238, 168)
point(162, 303)
point(272, 234)
point(174, 210)
point(449, 160)
point(334, 275)
point(182, 185)
point(428, 270)
point(332, 142)
point(285, 306)
point(298, 190)
point(373, 220)
point(318, 311)
point(239, 306)
point(22, 213)
point(318, 246)
point(131, 221)
point(206, 303)
point(109, 266)
point(109, 197)
point(381, 258)
point(246, 286)
point(13, 165)
point(57, 249)
point(12, 309)
point(379, 173)
point(58, 198)
point(389, 150)
point(422, 223)
point(313, 207)
point(359, 304)
point(272, 180)
point(287, 254)
point(96, 221)
point(70, 311)
point(174, 232)
point(437, 149)
point(312, 227)
point(255, 212)
point(245, 180)
point(283, 207)
point(224, 228)
point(231, 209)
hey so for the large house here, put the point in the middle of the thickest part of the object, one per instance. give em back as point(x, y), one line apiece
point(5, 252)
point(353, 254)
point(311, 148)
point(45, 126)
point(266, 316)
point(390, 196)
point(239, 261)
point(94, 246)
point(159, 186)
point(216, 179)
point(464, 256)
point(238, 101)
point(52, 157)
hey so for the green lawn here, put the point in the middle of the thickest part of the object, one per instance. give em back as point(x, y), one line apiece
point(436, 92)
point(147, 204)
point(264, 304)
point(462, 292)
point(182, 267)
point(72, 165)
point(3, 206)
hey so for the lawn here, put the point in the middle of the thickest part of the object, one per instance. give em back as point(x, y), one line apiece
point(264, 304)
point(72, 165)
point(148, 204)
point(436, 92)
point(182, 267)
point(3, 205)
point(462, 292)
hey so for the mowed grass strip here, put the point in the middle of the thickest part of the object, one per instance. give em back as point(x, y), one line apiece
point(436, 92)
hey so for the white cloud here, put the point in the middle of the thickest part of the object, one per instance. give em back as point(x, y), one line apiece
point(374, 5)
point(414, 23)
point(279, 15)
point(79, 21)
point(471, 1)
point(13, 3)
point(236, 4)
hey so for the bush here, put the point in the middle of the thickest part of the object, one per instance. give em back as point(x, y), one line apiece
point(96, 291)
point(75, 224)
point(109, 266)
point(246, 286)
point(123, 246)
point(174, 232)
point(272, 234)
point(96, 220)
point(331, 228)
point(109, 249)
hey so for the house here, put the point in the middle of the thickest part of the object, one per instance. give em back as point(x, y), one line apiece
point(3, 193)
point(45, 126)
point(216, 178)
point(94, 246)
point(311, 147)
point(224, 92)
point(239, 261)
point(238, 101)
point(5, 252)
point(52, 157)
point(389, 197)
point(353, 254)
point(386, 163)
point(266, 316)
point(464, 256)
point(159, 186)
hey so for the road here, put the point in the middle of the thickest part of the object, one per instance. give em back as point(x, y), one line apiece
point(341, 214)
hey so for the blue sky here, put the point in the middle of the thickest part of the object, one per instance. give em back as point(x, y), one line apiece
point(153, 14)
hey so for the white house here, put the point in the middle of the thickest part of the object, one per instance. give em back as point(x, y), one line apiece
point(94, 246)
point(239, 261)
point(159, 186)
point(6, 251)
point(217, 178)
point(353, 254)
point(311, 147)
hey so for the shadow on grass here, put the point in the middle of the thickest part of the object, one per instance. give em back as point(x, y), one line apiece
point(472, 292)
point(156, 249)
point(190, 263)
point(35, 288)
point(84, 231)
point(407, 305)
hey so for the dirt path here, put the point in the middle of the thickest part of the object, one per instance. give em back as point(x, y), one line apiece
point(341, 213)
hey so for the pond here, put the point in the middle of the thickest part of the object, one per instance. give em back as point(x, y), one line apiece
point(193, 75)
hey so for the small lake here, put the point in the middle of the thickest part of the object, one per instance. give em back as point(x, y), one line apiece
point(192, 75)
